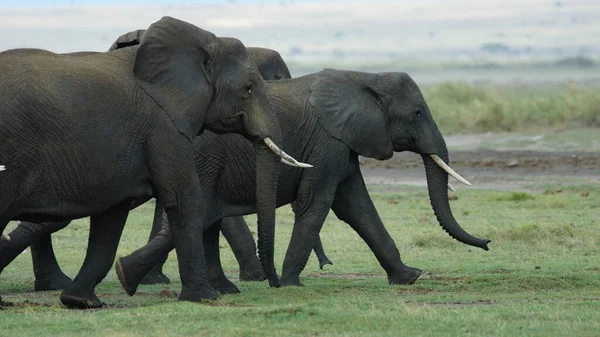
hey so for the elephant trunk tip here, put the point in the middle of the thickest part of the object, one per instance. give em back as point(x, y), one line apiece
point(471, 241)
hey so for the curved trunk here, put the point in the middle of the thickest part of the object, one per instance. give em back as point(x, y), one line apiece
point(267, 173)
point(437, 184)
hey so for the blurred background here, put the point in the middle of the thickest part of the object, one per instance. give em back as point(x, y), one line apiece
point(484, 65)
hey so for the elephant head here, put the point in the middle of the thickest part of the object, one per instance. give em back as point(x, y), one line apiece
point(269, 63)
point(376, 115)
point(204, 81)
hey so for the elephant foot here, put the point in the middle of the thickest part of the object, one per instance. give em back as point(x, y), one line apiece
point(77, 297)
point(408, 275)
point(252, 272)
point(224, 286)
point(129, 281)
point(290, 281)
point(58, 281)
point(156, 276)
point(207, 293)
point(324, 261)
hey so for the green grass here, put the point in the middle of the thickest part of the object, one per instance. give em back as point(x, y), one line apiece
point(540, 278)
point(465, 108)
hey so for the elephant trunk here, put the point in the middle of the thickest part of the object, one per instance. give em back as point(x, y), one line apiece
point(267, 173)
point(437, 184)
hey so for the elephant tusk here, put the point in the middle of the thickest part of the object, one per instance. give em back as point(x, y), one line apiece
point(448, 169)
point(2, 167)
point(6, 237)
point(285, 158)
point(451, 188)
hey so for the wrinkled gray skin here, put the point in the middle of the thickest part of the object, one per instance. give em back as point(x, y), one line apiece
point(84, 135)
point(49, 276)
point(339, 115)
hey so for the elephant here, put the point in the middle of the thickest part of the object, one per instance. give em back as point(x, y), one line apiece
point(48, 274)
point(338, 116)
point(69, 152)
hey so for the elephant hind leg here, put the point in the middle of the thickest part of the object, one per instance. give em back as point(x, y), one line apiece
point(105, 233)
point(216, 275)
point(156, 275)
point(320, 253)
point(48, 275)
point(238, 235)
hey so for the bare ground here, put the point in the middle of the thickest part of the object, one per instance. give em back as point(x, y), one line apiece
point(503, 170)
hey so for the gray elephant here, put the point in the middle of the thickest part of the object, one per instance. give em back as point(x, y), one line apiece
point(96, 134)
point(339, 115)
point(48, 274)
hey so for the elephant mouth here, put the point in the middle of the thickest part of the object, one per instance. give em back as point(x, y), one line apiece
point(285, 158)
point(449, 170)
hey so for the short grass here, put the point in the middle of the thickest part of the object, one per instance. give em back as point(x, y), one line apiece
point(540, 278)
point(467, 108)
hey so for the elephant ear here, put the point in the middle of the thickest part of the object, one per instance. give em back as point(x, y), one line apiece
point(171, 66)
point(350, 110)
point(128, 39)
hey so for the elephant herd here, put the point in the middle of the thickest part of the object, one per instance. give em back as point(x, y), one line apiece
point(201, 124)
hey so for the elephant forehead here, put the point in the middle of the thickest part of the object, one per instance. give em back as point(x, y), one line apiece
point(232, 47)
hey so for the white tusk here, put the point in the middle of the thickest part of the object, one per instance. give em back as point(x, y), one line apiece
point(451, 188)
point(5, 236)
point(285, 158)
point(448, 169)
point(2, 167)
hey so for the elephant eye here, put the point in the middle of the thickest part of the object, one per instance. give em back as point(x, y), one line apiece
point(418, 113)
point(249, 89)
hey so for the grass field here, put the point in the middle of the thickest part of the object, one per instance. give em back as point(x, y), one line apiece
point(540, 278)
point(466, 108)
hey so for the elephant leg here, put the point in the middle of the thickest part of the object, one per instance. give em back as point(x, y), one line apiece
point(216, 275)
point(105, 233)
point(238, 235)
point(353, 205)
point(310, 209)
point(133, 268)
point(156, 275)
point(320, 252)
point(48, 275)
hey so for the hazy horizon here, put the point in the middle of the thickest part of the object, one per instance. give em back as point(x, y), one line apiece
point(372, 35)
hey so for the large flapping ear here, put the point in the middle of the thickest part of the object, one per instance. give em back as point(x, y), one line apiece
point(170, 65)
point(350, 110)
point(128, 39)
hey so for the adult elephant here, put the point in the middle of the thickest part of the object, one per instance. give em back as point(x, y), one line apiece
point(47, 272)
point(96, 134)
point(336, 116)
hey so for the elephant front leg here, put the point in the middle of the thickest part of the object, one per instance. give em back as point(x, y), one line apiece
point(353, 205)
point(310, 208)
point(105, 233)
point(187, 231)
